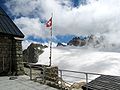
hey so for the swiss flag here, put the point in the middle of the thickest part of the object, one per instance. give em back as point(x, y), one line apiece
point(49, 23)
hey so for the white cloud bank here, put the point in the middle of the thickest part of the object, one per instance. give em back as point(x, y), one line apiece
point(101, 16)
point(82, 59)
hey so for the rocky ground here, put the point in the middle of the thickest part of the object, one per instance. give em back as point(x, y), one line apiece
point(21, 83)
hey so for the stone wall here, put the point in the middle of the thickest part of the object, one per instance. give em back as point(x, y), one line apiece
point(51, 73)
point(19, 57)
point(10, 56)
point(5, 55)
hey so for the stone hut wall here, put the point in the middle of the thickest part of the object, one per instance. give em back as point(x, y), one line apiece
point(5, 55)
point(10, 56)
point(19, 57)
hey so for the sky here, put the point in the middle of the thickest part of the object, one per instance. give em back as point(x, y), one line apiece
point(25, 18)
point(70, 18)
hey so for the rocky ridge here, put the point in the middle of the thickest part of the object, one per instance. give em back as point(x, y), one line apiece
point(32, 53)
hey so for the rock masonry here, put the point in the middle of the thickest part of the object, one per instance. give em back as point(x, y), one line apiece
point(10, 56)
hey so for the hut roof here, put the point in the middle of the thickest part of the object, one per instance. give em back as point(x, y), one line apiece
point(104, 82)
point(7, 26)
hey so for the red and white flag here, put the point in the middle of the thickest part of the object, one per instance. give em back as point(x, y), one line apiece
point(49, 23)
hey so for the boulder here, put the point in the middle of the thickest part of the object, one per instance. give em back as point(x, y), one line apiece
point(32, 53)
point(77, 85)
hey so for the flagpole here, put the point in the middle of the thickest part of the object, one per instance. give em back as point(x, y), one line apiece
point(50, 47)
point(51, 43)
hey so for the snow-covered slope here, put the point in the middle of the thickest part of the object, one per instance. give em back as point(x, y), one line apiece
point(83, 59)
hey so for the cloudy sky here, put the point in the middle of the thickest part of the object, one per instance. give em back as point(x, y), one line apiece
point(70, 17)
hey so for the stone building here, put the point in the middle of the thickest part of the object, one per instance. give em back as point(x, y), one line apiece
point(10, 46)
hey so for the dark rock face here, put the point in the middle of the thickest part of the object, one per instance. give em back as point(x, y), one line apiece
point(91, 40)
point(76, 41)
point(60, 44)
point(32, 53)
point(95, 41)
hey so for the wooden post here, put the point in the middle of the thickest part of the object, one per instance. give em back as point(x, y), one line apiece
point(44, 74)
point(61, 78)
point(86, 81)
point(30, 72)
point(3, 64)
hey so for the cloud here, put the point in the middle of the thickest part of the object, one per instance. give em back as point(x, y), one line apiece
point(22, 7)
point(32, 27)
point(101, 16)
